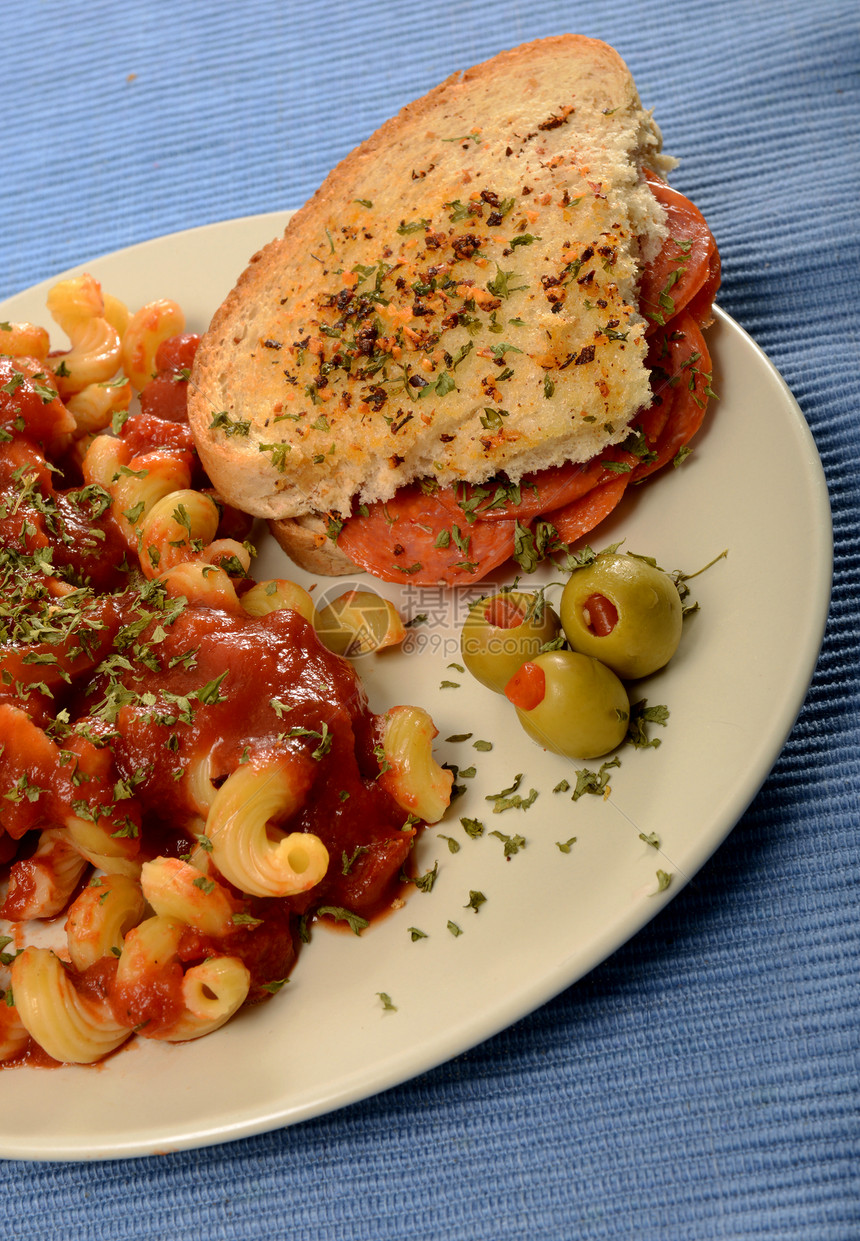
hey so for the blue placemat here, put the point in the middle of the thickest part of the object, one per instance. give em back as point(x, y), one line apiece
point(703, 1082)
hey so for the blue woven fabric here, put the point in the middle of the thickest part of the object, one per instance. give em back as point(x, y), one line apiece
point(704, 1082)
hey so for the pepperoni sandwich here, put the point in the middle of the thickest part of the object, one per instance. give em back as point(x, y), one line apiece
point(484, 326)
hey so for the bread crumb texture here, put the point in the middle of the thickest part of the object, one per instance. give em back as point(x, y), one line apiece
point(456, 301)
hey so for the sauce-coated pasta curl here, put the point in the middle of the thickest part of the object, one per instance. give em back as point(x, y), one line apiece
point(211, 992)
point(14, 1035)
point(175, 528)
point(199, 789)
point(201, 583)
point(74, 302)
point(136, 483)
point(229, 553)
point(150, 948)
point(178, 890)
point(410, 772)
point(148, 328)
point(244, 811)
point(78, 308)
point(29, 397)
point(104, 459)
point(94, 407)
point(181, 527)
point(72, 1026)
point(101, 916)
point(41, 885)
point(93, 358)
point(24, 340)
point(102, 847)
point(202, 999)
point(146, 479)
point(116, 312)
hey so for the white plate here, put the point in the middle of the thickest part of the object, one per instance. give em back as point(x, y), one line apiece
point(754, 486)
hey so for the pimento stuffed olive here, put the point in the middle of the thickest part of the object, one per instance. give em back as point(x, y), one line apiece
point(625, 612)
point(570, 703)
point(504, 630)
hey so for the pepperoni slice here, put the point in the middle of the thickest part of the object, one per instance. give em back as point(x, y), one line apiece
point(606, 468)
point(680, 379)
point(651, 420)
point(414, 537)
point(539, 492)
point(701, 307)
point(580, 518)
point(684, 266)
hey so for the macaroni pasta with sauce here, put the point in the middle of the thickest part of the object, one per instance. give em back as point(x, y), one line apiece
point(188, 772)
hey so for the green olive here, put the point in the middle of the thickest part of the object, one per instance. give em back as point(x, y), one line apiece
point(625, 612)
point(502, 631)
point(570, 703)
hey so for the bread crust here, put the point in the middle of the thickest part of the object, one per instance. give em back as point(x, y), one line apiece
point(306, 542)
point(457, 299)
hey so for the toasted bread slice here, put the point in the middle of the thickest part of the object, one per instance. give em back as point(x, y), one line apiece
point(458, 299)
point(307, 542)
